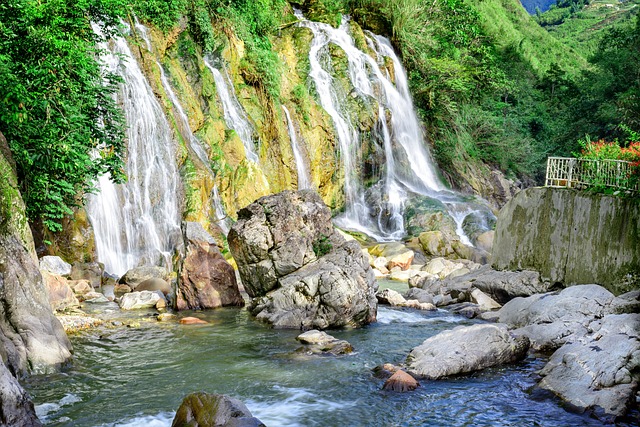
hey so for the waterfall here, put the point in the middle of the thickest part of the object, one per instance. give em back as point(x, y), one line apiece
point(234, 114)
point(137, 222)
point(304, 179)
point(194, 143)
point(408, 164)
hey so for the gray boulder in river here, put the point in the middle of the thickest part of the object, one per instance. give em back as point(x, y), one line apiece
point(598, 372)
point(549, 320)
point(301, 273)
point(466, 349)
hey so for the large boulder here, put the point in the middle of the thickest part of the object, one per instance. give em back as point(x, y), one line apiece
point(598, 372)
point(16, 408)
point(138, 275)
point(466, 349)
point(31, 338)
point(300, 272)
point(213, 410)
point(91, 271)
point(502, 286)
point(206, 279)
point(550, 320)
point(61, 296)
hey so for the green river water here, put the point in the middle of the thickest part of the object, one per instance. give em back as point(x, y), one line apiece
point(137, 376)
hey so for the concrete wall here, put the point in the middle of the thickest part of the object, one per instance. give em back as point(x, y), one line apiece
point(571, 237)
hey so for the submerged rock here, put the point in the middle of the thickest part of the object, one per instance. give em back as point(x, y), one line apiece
point(213, 410)
point(598, 372)
point(401, 382)
point(192, 321)
point(299, 271)
point(466, 349)
point(206, 279)
point(321, 343)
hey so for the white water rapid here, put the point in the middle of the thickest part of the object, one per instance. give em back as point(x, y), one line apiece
point(408, 167)
point(234, 114)
point(304, 178)
point(137, 222)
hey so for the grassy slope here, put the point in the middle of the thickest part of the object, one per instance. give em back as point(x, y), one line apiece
point(582, 30)
point(509, 24)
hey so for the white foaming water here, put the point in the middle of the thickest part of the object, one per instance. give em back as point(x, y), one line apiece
point(387, 316)
point(398, 123)
point(163, 419)
point(304, 179)
point(234, 114)
point(294, 403)
point(46, 411)
point(185, 129)
point(137, 222)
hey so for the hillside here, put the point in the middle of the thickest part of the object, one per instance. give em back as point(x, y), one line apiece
point(509, 25)
point(582, 27)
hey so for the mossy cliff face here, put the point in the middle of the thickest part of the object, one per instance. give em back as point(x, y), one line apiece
point(571, 237)
point(240, 181)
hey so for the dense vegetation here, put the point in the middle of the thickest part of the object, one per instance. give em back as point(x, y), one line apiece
point(491, 85)
point(57, 110)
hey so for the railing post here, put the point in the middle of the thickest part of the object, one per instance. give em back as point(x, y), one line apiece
point(570, 172)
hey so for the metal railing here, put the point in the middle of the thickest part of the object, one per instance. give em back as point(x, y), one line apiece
point(582, 173)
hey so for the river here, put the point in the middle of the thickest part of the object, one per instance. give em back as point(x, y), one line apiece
point(137, 376)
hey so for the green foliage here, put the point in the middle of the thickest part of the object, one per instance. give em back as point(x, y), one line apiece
point(58, 113)
point(322, 246)
point(164, 14)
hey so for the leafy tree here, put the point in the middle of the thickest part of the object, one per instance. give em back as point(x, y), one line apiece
point(57, 107)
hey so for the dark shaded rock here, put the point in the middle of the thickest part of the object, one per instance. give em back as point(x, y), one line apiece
point(91, 271)
point(138, 275)
point(154, 284)
point(16, 408)
point(300, 271)
point(599, 372)
point(421, 295)
point(400, 382)
point(213, 410)
point(206, 279)
point(466, 349)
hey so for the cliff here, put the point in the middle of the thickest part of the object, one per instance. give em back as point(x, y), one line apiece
point(571, 238)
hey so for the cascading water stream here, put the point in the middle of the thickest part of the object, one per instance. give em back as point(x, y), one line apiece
point(408, 164)
point(137, 222)
point(304, 179)
point(234, 114)
point(194, 143)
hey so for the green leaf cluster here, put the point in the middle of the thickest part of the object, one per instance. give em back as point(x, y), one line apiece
point(57, 108)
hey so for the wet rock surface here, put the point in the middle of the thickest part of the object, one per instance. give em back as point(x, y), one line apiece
point(299, 271)
point(599, 371)
point(213, 410)
point(466, 349)
point(206, 279)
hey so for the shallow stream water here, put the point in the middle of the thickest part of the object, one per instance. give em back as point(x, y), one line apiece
point(137, 376)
